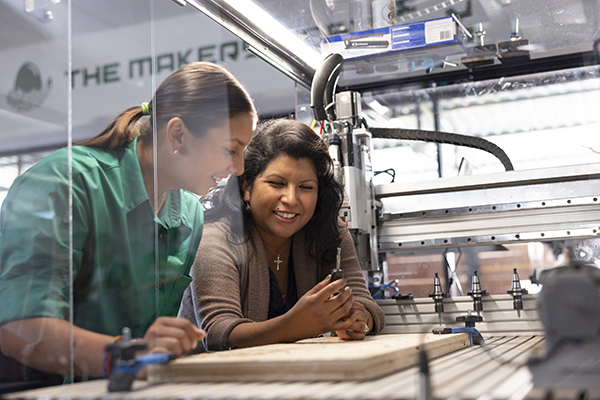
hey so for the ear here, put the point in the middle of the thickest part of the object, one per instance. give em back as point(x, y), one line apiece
point(175, 131)
point(245, 188)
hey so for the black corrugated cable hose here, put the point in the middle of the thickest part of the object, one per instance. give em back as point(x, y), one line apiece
point(444, 137)
point(323, 86)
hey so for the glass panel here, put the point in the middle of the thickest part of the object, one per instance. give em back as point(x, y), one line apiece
point(111, 227)
point(115, 283)
point(35, 236)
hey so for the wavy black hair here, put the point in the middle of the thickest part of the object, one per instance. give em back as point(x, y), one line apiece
point(291, 138)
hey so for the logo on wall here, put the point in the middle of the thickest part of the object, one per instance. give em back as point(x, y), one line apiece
point(29, 92)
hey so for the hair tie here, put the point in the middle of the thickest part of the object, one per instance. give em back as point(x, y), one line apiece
point(145, 109)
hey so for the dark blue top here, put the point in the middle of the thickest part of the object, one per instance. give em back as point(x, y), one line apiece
point(277, 306)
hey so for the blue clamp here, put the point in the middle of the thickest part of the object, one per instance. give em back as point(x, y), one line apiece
point(123, 372)
point(474, 335)
point(124, 364)
point(143, 361)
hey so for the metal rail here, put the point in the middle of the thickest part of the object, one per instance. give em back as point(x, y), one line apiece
point(263, 45)
point(537, 205)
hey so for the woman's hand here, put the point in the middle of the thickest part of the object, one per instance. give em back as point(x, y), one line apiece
point(170, 334)
point(361, 326)
point(322, 309)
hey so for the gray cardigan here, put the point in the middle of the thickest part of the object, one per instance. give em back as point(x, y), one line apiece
point(231, 281)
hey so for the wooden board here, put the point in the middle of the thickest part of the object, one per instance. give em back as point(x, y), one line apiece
point(326, 358)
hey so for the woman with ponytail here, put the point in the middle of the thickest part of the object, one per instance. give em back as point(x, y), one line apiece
point(104, 237)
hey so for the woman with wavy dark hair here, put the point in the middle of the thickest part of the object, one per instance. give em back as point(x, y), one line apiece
point(271, 239)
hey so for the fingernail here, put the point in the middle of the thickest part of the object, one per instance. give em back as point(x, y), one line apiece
point(348, 333)
point(195, 345)
point(328, 277)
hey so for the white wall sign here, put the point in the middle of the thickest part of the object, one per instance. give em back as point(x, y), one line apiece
point(112, 70)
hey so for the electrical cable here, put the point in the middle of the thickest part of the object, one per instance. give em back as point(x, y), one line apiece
point(390, 171)
point(444, 137)
point(392, 285)
point(364, 123)
point(323, 87)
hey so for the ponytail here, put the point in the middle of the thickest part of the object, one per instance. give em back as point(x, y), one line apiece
point(119, 133)
point(202, 94)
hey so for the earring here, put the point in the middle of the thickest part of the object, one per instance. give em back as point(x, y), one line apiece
point(175, 151)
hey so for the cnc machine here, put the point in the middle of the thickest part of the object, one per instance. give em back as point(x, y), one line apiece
point(465, 135)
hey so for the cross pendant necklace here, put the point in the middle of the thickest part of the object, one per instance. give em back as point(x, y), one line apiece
point(279, 260)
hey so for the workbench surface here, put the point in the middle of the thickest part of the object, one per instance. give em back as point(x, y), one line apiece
point(495, 371)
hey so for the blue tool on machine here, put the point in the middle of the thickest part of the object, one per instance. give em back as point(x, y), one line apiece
point(143, 361)
point(124, 364)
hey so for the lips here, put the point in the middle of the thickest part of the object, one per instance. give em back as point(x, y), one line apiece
point(285, 215)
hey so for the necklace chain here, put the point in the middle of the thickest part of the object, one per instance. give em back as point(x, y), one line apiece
point(278, 261)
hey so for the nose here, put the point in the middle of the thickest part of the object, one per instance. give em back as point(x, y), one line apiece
point(289, 195)
point(237, 164)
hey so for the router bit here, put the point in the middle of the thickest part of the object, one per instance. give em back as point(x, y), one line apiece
point(517, 292)
point(438, 296)
point(476, 293)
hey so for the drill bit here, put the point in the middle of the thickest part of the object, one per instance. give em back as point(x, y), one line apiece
point(516, 292)
point(438, 296)
point(476, 293)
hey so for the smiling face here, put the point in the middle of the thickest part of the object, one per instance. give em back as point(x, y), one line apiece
point(212, 157)
point(283, 198)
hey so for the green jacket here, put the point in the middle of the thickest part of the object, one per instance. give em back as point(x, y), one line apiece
point(117, 279)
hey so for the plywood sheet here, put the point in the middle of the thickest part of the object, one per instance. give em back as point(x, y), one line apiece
point(326, 358)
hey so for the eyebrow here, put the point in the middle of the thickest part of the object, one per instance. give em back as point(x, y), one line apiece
point(282, 178)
